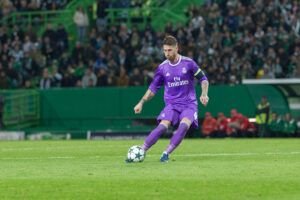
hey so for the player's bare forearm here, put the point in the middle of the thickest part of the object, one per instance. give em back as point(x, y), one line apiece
point(138, 108)
point(148, 95)
point(204, 86)
point(204, 98)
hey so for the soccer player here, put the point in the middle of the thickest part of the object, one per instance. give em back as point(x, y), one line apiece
point(177, 74)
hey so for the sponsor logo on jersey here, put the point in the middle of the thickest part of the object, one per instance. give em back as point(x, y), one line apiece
point(177, 82)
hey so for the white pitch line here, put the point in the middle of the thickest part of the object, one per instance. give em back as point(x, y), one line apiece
point(230, 154)
point(152, 155)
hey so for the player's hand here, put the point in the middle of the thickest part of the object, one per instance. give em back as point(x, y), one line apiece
point(204, 99)
point(138, 108)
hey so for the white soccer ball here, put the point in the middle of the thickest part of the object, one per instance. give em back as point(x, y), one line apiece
point(136, 154)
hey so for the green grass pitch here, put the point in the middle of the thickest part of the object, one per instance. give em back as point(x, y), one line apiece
point(198, 169)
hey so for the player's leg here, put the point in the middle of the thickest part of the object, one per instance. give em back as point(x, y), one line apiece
point(179, 135)
point(155, 134)
point(188, 117)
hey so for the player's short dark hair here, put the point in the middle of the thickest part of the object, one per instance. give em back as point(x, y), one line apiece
point(170, 40)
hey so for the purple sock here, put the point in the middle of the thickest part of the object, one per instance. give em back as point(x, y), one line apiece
point(177, 137)
point(154, 136)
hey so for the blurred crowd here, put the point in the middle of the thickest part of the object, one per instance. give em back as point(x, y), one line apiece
point(9, 6)
point(231, 40)
point(244, 39)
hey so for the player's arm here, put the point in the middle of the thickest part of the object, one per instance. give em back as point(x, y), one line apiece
point(155, 85)
point(204, 84)
point(148, 95)
point(204, 98)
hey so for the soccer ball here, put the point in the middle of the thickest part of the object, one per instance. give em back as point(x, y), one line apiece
point(136, 154)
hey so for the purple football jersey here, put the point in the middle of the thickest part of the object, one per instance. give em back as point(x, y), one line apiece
point(178, 79)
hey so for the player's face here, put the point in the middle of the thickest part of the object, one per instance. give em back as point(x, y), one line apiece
point(170, 52)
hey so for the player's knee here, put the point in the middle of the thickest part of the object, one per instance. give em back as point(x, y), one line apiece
point(186, 121)
point(166, 123)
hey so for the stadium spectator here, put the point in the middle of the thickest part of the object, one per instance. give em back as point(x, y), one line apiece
point(45, 82)
point(27, 85)
point(68, 79)
point(102, 78)
point(123, 79)
point(289, 126)
point(112, 79)
point(136, 78)
point(276, 126)
point(56, 77)
point(243, 126)
point(62, 38)
point(81, 20)
point(4, 81)
point(88, 76)
point(263, 116)
point(209, 125)
point(232, 125)
point(221, 126)
point(13, 75)
point(146, 78)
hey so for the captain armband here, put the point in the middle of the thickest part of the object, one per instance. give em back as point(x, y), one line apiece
point(200, 75)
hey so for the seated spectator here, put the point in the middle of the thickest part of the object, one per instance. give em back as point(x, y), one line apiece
point(276, 126)
point(68, 79)
point(146, 78)
point(45, 82)
point(101, 78)
point(221, 125)
point(232, 124)
point(209, 125)
point(4, 81)
point(27, 85)
point(17, 53)
point(29, 68)
point(111, 79)
point(89, 75)
point(243, 125)
point(136, 79)
point(56, 77)
point(13, 75)
point(289, 126)
point(123, 79)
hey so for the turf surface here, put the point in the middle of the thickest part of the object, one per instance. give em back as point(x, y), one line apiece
point(198, 169)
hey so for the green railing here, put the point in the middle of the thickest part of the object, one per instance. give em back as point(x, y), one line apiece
point(140, 16)
point(158, 13)
point(22, 108)
point(39, 18)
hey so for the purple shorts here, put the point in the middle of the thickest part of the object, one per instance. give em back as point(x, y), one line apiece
point(176, 112)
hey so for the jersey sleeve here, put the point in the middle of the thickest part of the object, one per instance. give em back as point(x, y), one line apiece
point(157, 81)
point(194, 68)
point(197, 72)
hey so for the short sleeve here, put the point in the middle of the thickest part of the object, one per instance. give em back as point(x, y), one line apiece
point(158, 80)
point(194, 68)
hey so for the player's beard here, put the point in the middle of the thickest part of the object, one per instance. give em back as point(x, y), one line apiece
point(172, 58)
